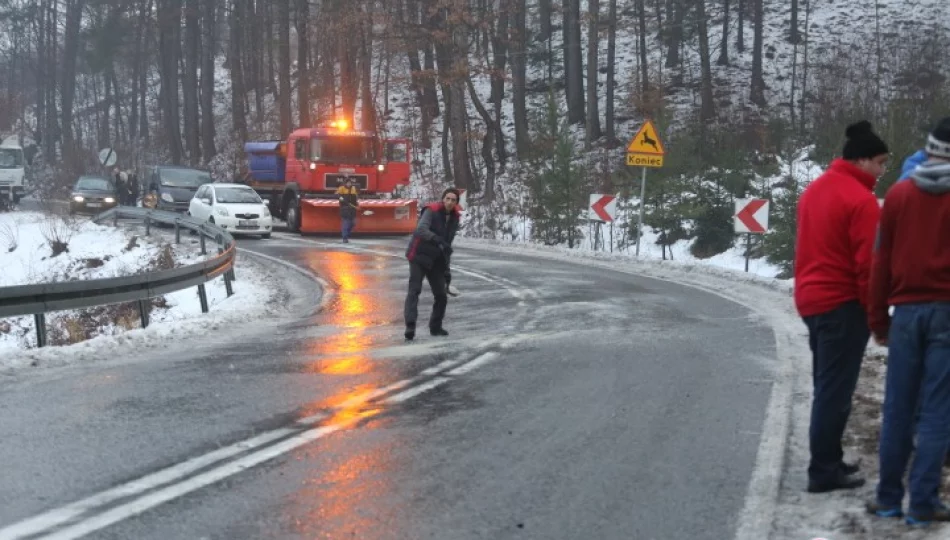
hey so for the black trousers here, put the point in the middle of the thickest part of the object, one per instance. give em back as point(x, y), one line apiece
point(436, 278)
point(837, 339)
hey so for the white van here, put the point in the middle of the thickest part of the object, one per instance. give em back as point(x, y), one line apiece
point(12, 172)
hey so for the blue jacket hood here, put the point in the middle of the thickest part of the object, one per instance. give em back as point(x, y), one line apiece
point(912, 163)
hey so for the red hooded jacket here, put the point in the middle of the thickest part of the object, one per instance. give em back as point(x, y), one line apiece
point(837, 223)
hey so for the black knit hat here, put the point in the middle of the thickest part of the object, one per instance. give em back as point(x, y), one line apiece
point(862, 142)
point(938, 142)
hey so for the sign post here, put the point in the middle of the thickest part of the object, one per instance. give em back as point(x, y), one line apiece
point(645, 150)
point(751, 217)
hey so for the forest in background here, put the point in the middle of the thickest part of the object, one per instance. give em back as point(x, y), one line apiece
point(525, 103)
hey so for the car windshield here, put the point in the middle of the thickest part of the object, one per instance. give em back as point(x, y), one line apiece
point(186, 178)
point(94, 183)
point(236, 195)
point(343, 150)
point(11, 158)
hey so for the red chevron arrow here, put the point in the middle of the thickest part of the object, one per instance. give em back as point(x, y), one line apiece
point(747, 215)
point(600, 207)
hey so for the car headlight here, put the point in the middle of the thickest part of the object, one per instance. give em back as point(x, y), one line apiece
point(223, 212)
point(78, 198)
point(110, 200)
point(167, 197)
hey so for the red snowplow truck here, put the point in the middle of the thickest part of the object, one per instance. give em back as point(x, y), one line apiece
point(299, 177)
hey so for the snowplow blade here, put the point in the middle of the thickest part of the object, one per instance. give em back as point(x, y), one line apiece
point(374, 216)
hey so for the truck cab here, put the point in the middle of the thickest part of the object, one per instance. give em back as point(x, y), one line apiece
point(12, 172)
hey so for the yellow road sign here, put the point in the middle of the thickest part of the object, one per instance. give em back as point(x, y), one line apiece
point(644, 160)
point(646, 141)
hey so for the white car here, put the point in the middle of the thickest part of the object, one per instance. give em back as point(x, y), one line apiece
point(234, 207)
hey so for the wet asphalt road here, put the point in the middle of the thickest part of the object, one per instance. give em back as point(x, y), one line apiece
point(600, 405)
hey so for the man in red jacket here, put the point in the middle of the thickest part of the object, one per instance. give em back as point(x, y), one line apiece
point(911, 272)
point(837, 221)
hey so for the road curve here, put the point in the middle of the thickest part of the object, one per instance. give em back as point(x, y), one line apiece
point(568, 402)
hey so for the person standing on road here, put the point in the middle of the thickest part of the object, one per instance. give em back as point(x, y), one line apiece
point(429, 252)
point(837, 221)
point(911, 271)
point(349, 203)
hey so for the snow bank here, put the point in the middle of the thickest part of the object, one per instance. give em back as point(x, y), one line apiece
point(97, 251)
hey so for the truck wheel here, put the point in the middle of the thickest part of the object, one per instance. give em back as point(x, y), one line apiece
point(293, 215)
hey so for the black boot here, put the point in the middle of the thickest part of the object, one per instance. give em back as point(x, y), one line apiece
point(410, 331)
point(438, 331)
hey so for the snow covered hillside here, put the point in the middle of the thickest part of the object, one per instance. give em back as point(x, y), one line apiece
point(102, 251)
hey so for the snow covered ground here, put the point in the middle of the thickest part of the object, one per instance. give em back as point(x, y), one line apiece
point(100, 251)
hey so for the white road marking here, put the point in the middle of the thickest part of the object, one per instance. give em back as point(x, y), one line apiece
point(406, 395)
point(478, 362)
point(52, 518)
point(147, 502)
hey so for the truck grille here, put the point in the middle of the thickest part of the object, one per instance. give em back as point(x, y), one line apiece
point(335, 180)
point(246, 216)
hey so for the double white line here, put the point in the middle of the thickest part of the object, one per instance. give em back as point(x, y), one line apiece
point(79, 518)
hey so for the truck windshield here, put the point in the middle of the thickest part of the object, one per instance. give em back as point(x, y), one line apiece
point(343, 150)
point(11, 158)
point(185, 178)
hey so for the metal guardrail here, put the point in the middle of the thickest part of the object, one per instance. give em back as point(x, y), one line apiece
point(41, 298)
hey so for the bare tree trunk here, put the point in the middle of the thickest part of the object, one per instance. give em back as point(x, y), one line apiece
point(793, 35)
point(190, 80)
point(499, 63)
point(593, 44)
point(74, 9)
point(675, 34)
point(303, 66)
point(573, 64)
point(740, 33)
point(368, 105)
point(724, 51)
point(209, 49)
point(236, 65)
point(611, 54)
point(519, 75)
point(757, 90)
point(644, 60)
point(708, 107)
point(544, 13)
point(283, 70)
point(169, 45)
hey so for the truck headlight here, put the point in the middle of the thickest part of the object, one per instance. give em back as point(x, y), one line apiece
point(380, 167)
point(223, 212)
point(78, 198)
point(167, 197)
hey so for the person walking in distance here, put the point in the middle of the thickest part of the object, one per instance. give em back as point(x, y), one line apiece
point(837, 222)
point(911, 271)
point(349, 203)
point(428, 253)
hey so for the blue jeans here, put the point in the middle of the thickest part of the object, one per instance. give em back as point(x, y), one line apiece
point(348, 223)
point(918, 382)
point(837, 339)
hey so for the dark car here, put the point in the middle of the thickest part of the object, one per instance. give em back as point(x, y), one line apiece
point(91, 195)
point(173, 187)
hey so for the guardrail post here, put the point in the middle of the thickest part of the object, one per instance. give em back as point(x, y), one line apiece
point(148, 226)
point(177, 232)
point(40, 320)
point(227, 283)
point(204, 250)
point(115, 219)
point(143, 312)
point(203, 296)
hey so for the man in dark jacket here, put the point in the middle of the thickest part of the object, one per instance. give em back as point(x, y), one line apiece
point(911, 271)
point(349, 203)
point(429, 253)
point(837, 221)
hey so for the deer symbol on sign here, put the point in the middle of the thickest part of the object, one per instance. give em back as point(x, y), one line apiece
point(649, 141)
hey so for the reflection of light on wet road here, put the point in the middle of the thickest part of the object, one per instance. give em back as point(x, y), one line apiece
point(355, 308)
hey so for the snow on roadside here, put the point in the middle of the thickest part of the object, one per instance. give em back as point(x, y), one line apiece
point(117, 329)
point(777, 488)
